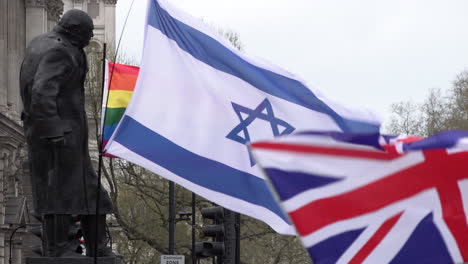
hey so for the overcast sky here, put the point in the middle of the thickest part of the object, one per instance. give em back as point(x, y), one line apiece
point(369, 53)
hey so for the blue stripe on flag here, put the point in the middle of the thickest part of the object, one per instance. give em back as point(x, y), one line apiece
point(290, 183)
point(213, 53)
point(108, 131)
point(330, 250)
point(425, 245)
point(205, 172)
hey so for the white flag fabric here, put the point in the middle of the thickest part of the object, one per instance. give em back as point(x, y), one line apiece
point(198, 102)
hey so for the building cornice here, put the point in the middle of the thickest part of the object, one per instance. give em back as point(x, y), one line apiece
point(35, 3)
point(110, 2)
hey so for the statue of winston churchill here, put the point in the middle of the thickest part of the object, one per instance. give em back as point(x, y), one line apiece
point(64, 182)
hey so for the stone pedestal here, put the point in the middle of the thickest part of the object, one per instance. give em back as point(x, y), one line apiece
point(84, 260)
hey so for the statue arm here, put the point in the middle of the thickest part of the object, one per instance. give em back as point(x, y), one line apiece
point(51, 75)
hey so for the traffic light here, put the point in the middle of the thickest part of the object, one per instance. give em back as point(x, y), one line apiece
point(215, 247)
point(223, 234)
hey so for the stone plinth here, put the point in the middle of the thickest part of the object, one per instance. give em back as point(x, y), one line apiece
point(84, 260)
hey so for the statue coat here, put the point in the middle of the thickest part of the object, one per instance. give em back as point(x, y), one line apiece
point(52, 89)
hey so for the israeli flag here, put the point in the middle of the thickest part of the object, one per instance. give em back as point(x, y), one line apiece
point(198, 102)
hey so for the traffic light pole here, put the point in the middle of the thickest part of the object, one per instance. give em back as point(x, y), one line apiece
point(194, 257)
point(171, 217)
point(237, 221)
point(230, 241)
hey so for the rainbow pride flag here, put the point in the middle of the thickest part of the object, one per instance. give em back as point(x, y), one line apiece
point(120, 80)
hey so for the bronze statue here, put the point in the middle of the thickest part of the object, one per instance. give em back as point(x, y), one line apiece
point(64, 181)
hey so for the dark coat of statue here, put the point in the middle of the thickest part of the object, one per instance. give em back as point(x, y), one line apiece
point(52, 88)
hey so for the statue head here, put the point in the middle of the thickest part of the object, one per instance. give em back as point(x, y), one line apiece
point(77, 26)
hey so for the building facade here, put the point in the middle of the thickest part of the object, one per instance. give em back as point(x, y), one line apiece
point(103, 14)
point(20, 22)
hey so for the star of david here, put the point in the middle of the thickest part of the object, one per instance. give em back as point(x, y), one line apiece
point(263, 111)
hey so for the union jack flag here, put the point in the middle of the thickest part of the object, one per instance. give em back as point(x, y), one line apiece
point(373, 198)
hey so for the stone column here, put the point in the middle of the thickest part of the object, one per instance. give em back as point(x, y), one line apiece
point(3, 54)
point(3, 160)
point(67, 4)
point(109, 23)
point(17, 252)
point(36, 19)
point(21, 39)
point(15, 49)
point(12, 49)
point(78, 4)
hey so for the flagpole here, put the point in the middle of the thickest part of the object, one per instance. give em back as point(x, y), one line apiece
point(104, 51)
point(103, 117)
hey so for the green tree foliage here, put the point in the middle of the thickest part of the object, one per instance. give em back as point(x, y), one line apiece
point(439, 111)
